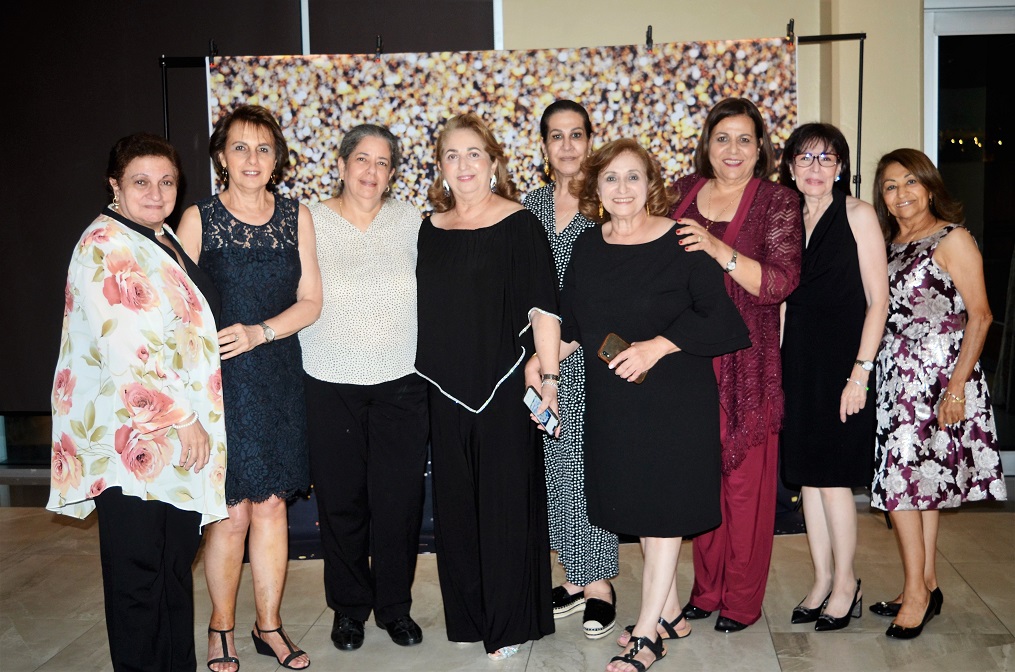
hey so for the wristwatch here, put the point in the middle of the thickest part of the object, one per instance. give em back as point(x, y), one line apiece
point(728, 268)
point(865, 364)
point(269, 333)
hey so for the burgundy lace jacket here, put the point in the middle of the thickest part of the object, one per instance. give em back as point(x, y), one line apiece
point(750, 380)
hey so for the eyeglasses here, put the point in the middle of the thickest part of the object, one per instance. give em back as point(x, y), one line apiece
point(824, 160)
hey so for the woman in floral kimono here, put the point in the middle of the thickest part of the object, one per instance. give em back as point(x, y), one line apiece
point(137, 408)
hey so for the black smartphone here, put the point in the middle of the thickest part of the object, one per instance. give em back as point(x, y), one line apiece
point(548, 419)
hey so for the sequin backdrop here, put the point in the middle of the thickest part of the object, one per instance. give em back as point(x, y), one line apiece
point(659, 96)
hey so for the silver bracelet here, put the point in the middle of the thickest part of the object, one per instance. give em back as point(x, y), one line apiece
point(857, 382)
point(188, 423)
point(550, 383)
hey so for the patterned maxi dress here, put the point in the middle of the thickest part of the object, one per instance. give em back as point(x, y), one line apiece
point(587, 553)
point(918, 465)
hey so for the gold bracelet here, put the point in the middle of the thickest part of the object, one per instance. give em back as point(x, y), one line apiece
point(857, 382)
point(952, 398)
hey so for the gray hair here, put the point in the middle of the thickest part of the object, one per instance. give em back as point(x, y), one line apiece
point(352, 139)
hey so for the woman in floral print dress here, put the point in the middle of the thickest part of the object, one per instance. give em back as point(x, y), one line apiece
point(936, 439)
point(137, 408)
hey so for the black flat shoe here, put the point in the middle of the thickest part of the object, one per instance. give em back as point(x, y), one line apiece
point(403, 630)
point(899, 632)
point(346, 632)
point(655, 646)
point(802, 614)
point(825, 622)
point(564, 603)
point(728, 625)
point(600, 616)
point(693, 613)
point(891, 609)
point(669, 626)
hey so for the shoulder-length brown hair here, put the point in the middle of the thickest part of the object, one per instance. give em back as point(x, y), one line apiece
point(660, 197)
point(256, 116)
point(735, 107)
point(442, 200)
point(942, 205)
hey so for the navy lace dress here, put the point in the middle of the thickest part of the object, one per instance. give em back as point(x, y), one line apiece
point(257, 270)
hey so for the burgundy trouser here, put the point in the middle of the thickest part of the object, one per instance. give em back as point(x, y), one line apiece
point(731, 562)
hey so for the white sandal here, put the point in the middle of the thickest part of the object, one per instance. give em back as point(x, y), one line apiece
point(503, 652)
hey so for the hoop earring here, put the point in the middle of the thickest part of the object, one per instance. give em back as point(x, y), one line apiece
point(600, 210)
point(447, 189)
point(387, 190)
point(493, 183)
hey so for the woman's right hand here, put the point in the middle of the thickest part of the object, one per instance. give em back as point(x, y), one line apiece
point(239, 338)
point(195, 449)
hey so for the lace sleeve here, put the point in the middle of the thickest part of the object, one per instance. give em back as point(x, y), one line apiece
point(783, 247)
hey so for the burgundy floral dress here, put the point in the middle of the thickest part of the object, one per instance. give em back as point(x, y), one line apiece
point(920, 466)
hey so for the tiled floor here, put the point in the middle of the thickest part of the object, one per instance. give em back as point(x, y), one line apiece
point(51, 615)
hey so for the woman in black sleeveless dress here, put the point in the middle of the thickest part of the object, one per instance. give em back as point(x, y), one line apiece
point(834, 322)
point(259, 249)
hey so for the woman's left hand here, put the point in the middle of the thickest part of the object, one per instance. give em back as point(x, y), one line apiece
point(549, 395)
point(950, 411)
point(641, 357)
point(695, 238)
point(853, 399)
point(239, 338)
point(195, 447)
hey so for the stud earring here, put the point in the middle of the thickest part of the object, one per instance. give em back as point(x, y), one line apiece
point(447, 189)
point(838, 177)
point(493, 183)
point(793, 177)
point(600, 210)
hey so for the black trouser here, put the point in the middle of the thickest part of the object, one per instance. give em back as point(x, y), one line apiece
point(368, 450)
point(147, 549)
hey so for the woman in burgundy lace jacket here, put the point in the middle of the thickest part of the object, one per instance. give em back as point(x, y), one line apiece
point(730, 210)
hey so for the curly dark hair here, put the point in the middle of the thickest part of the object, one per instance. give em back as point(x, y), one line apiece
point(660, 197)
point(135, 146)
point(256, 116)
point(443, 201)
point(942, 205)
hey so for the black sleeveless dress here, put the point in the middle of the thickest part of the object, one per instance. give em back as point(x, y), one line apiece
point(257, 270)
point(824, 322)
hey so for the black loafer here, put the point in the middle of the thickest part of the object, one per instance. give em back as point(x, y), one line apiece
point(693, 613)
point(564, 603)
point(727, 625)
point(347, 632)
point(403, 630)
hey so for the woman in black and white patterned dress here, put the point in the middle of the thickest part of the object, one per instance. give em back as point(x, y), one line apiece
point(587, 553)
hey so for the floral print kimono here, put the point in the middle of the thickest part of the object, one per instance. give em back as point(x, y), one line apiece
point(139, 353)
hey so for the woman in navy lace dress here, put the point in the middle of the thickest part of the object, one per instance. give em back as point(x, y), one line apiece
point(259, 249)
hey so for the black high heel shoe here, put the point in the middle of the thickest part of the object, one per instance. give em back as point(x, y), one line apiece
point(891, 609)
point(899, 632)
point(826, 623)
point(802, 614)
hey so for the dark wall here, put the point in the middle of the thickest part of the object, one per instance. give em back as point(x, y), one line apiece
point(78, 76)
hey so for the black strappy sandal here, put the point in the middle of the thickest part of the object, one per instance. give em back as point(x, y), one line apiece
point(225, 657)
point(669, 626)
point(264, 648)
point(637, 644)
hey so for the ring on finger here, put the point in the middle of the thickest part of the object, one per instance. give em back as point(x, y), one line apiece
point(699, 237)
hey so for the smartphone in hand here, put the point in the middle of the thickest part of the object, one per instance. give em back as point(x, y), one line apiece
point(548, 419)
